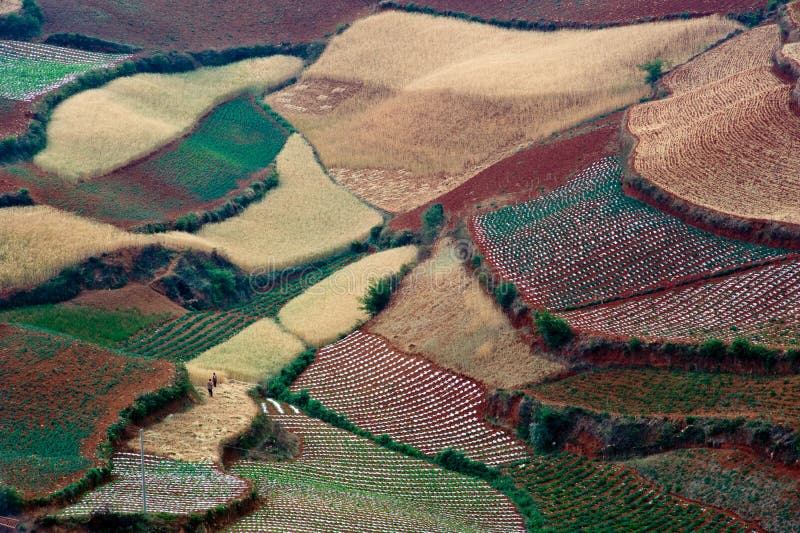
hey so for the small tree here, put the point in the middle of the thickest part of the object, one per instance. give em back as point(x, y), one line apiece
point(713, 349)
point(554, 330)
point(654, 70)
point(506, 293)
point(378, 295)
point(432, 222)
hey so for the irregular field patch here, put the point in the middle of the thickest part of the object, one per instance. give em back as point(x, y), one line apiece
point(348, 483)
point(448, 106)
point(9, 6)
point(729, 479)
point(577, 493)
point(195, 435)
point(59, 397)
point(587, 242)
point(28, 70)
point(640, 392)
point(173, 487)
point(100, 130)
point(131, 296)
point(387, 392)
point(14, 118)
point(441, 311)
point(761, 305)
point(730, 146)
point(332, 306)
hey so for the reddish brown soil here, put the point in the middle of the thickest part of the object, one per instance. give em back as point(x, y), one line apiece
point(525, 175)
point(594, 12)
point(14, 117)
point(201, 24)
point(133, 295)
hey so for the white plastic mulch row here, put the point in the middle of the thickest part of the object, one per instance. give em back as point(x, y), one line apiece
point(586, 241)
point(171, 487)
point(341, 482)
point(388, 392)
point(763, 304)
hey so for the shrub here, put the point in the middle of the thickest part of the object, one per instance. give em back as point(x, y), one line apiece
point(506, 293)
point(23, 25)
point(554, 330)
point(379, 294)
point(10, 501)
point(654, 70)
point(713, 349)
point(432, 222)
point(635, 344)
point(189, 223)
point(548, 429)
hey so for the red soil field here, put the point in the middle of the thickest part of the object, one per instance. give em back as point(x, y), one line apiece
point(525, 175)
point(592, 12)
point(201, 24)
point(14, 117)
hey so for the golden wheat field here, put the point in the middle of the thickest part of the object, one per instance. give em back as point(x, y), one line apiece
point(332, 306)
point(9, 6)
point(256, 353)
point(440, 97)
point(305, 218)
point(97, 131)
point(732, 146)
point(441, 312)
point(196, 434)
point(749, 50)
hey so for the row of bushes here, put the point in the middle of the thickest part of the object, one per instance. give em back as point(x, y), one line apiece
point(34, 140)
point(192, 222)
point(24, 24)
point(13, 199)
point(448, 459)
point(92, 44)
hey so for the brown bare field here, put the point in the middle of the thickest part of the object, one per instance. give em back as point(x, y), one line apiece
point(441, 312)
point(732, 146)
point(443, 98)
point(196, 434)
point(131, 296)
point(747, 51)
point(9, 6)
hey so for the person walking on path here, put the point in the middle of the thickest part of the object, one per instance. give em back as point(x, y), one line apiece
point(210, 388)
point(214, 379)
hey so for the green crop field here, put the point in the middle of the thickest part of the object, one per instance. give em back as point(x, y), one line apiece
point(99, 326)
point(234, 141)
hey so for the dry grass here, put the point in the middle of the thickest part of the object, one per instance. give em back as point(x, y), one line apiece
point(438, 96)
point(196, 434)
point(98, 131)
point(732, 146)
point(256, 353)
point(750, 50)
point(305, 218)
point(440, 311)
point(9, 6)
point(332, 306)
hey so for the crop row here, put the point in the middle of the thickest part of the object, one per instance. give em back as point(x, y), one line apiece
point(580, 494)
point(342, 482)
point(762, 305)
point(170, 487)
point(387, 392)
point(587, 242)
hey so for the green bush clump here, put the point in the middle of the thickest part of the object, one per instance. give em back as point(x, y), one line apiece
point(548, 429)
point(432, 222)
point(23, 25)
point(379, 294)
point(713, 349)
point(654, 70)
point(554, 330)
point(506, 293)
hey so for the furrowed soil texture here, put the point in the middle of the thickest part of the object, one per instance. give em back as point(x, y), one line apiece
point(59, 397)
point(201, 24)
point(448, 107)
point(729, 479)
point(341, 482)
point(639, 392)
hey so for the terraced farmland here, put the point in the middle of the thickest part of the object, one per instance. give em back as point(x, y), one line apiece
point(342, 482)
point(587, 242)
point(761, 305)
point(729, 479)
point(672, 392)
point(580, 494)
point(730, 146)
point(387, 392)
point(28, 70)
point(173, 487)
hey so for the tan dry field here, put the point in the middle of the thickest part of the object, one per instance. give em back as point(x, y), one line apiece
point(332, 306)
point(732, 146)
point(196, 434)
point(441, 98)
point(9, 6)
point(256, 353)
point(747, 51)
point(131, 296)
point(441, 312)
point(97, 131)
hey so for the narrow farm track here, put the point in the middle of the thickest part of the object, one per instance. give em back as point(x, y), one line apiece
point(388, 392)
point(173, 487)
point(342, 482)
point(586, 242)
point(580, 494)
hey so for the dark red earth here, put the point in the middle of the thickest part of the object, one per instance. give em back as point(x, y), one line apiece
point(14, 117)
point(592, 11)
point(525, 175)
point(201, 24)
